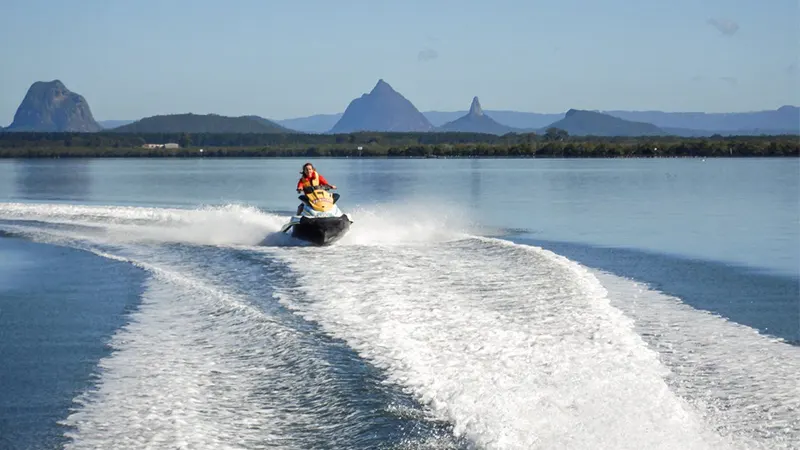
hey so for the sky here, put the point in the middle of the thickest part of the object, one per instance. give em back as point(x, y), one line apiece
point(290, 58)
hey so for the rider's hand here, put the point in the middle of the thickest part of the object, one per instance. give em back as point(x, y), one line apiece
point(333, 187)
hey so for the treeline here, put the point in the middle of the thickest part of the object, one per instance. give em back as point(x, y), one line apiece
point(118, 140)
point(554, 143)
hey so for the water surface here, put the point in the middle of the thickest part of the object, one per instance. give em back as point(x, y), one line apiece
point(490, 303)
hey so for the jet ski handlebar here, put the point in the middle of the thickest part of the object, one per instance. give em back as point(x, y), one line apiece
point(309, 189)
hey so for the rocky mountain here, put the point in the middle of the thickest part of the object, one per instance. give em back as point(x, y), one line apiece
point(590, 123)
point(383, 109)
point(475, 121)
point(50, 106)
point(199, 123)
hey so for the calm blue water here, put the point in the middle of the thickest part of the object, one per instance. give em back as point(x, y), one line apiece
point(59, 307)
point(151, 302)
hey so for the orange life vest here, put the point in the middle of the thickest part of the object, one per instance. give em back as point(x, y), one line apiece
point(313, 181)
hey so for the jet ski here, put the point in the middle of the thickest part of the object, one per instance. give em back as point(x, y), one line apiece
point(321, 222)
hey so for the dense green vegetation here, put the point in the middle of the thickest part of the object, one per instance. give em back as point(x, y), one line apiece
point(553, 143)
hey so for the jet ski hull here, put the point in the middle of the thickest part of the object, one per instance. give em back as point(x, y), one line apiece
point(321, 230)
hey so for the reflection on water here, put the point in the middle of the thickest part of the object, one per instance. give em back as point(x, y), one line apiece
point(381, 182)
point(62, 179)
point(475, 182)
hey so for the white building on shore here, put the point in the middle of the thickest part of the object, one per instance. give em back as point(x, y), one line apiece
point(167, 145)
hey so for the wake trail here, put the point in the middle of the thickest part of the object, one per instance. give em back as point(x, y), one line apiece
point(203, 363)
point(515, 346)
point(238, 225)
point(518, 348)
point(744, 383)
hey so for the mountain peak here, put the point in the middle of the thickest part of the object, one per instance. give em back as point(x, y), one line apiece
point(475, 121)
point(383, 109)
point(49, 106)
point(52, 84)
point(381, 87)
point(475, 109)
point(48, 88)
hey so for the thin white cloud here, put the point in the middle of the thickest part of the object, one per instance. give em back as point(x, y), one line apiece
point(724, 26)
point(427, 55)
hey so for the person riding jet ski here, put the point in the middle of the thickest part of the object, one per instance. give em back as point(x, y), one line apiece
point(310, 178)
point(319, 219)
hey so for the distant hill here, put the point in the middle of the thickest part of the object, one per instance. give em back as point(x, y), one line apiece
point(196, 123)
point(49, 106)
point(270, 123)
point(475, 121)
point(108, 124)
point(318, 123)
point(383, 109)
point(685, 132)
point(513, 119)
point(589, 123)
point(786, 118)
point(759, 132)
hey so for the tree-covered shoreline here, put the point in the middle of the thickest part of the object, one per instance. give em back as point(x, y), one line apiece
point(553, 143)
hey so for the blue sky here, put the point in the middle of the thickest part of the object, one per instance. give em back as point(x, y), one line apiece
point(281, 59)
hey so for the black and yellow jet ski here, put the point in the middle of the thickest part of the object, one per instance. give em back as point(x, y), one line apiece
point(321, 222)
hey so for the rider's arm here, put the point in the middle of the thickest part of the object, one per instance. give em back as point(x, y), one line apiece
point(324, 182)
